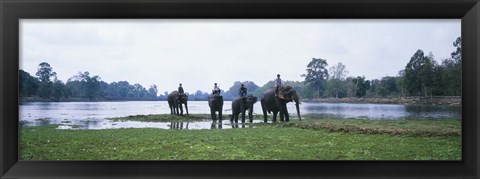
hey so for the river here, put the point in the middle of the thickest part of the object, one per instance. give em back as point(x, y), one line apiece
point(92, 115)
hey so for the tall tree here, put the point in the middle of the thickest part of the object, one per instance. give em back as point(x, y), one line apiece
point(361, 86)
point(337, 76)
point(457, 70)
point(58, 89)
point(419, 74)
point(457, 55)
point(44, 73)
point(401, 82)
point(152, 91)
point(28, 85)
point(91, 85)
point(317, 75)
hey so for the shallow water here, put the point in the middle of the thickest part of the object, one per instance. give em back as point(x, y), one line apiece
point(93, 115)
point(194, 125)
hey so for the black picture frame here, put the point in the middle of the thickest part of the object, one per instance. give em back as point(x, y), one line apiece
point(13, 10)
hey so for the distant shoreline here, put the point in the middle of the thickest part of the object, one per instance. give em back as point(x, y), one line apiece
point(436, 100)
point(439, 100)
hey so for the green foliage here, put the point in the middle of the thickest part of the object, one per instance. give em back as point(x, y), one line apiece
point(317, 75)
point(45, 72)
point(361, 86)
point(423, 76)
point(416, 127)
point(28, 85)
point(58, 90)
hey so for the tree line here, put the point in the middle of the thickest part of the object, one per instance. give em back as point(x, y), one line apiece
point(422, 76)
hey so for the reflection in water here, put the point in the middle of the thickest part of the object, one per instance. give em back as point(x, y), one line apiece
point(44, 121)
point(216, 125)
point(178, 125)
point(235, 125)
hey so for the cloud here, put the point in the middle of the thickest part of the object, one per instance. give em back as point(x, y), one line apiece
point(201, 52)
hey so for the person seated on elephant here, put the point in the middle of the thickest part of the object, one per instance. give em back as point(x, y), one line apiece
point(242, 91)
point(180, 89)
point(216, 89)
point(278, 83)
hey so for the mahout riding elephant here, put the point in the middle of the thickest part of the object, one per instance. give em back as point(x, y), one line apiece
point(272, 103)
point(175, 101)
point(240, 105)
point(215, 102)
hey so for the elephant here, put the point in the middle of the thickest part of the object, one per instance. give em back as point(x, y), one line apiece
point(278, 103)
point(240, 105)
point(215, 102)
point(175, 101)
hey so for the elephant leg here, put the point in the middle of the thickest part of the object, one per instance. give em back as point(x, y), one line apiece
point(236, 117)
point(220, 115)
point(287, 116)
point(242, 110)
point(178, 109)
point(213, 115)
point(243, 116)
point(250, 115)
point(285, 111)
point(181, 108)
point(264, 109)
point(232, 117)
point(186, 108)
point(281, 109)
point(274, 116)
point(282, 115)
point(175, 109)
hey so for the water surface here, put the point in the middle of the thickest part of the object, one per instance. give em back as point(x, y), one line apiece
point(93, 115)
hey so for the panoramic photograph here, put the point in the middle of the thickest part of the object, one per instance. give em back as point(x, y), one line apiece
point(238, 89)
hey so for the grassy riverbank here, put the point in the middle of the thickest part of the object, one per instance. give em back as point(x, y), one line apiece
point(298, 140)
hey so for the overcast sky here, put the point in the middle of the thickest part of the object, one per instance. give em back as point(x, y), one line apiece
point(199, 53)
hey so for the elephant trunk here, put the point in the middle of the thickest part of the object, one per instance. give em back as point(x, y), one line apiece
point(297, 105)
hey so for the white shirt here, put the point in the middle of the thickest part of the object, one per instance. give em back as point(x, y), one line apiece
point(278, 82)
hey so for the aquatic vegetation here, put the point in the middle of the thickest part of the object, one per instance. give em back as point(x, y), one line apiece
point(419, 127)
